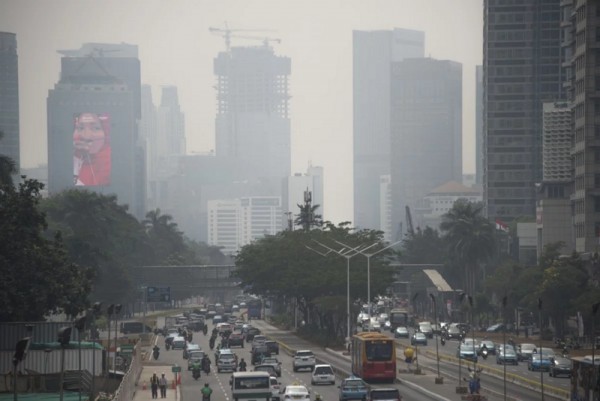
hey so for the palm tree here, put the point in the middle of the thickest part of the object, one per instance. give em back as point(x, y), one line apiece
point(470, 237)
point(7, 168)
point(164, 232)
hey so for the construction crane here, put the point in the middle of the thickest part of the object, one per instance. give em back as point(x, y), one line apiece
point(265, 40)
point(226, 33)
point(409, 224)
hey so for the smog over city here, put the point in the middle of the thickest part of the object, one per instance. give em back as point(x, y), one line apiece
point(318, 44)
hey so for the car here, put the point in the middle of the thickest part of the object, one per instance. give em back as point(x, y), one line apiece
point(251, 332)
point(242, 304)
point(495, 328)
point(506, 354)
point(466, 352)
point(489, 345)
point(275, 388)
point(401, 332)
point(425, 328)
point(178, 343)
point(541, 360)
point(273, 347)
point(271, 360)
point(238, 325)
point(270, 369)
point(382, 318)
point(296, 393)
point(189, 347)
point(236, 339)
point(322, 374)
point(453, 331)
point(353, 388)
point(561, 367)
point(224, 327)
point(304, 359)
point(418, 339)
point(525, 350)
point(194, 356)
point(235, 308)
point(385, 394)
point(258, 353)
point(226, 361)
point(258, 340)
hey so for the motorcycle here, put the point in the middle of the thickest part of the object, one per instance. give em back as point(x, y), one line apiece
point(211, 343)
point(155, 353)
point(205, 329)
point(167, 346)
point(443, 341)
point(484, 353)
point(206, 368)
point(196, 374)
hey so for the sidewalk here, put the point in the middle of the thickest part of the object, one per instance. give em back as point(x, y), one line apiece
point(143, 392)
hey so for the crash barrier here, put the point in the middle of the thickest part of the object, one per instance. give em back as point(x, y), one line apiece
point(126, 389)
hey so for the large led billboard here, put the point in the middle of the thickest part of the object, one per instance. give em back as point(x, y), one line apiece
point(91, 149)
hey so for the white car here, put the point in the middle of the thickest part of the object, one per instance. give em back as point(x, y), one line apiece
point(304, 359)
point(296, 393)
point(275, 388)
point(322, 374)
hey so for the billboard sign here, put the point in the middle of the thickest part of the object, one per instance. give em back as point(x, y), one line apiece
point(158, 294)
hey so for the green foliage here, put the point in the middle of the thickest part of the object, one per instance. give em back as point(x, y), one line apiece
point(37, 275)
point(8, 167)
point(424, 246)
point(299, 264)
point(470, 238)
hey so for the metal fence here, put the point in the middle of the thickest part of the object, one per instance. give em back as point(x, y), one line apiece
point(128, 385)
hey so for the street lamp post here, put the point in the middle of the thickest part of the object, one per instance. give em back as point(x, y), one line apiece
point(109, 313)
point(96, 309)
point(368, 256)
point(540, 348)
point(438, 379)
point(594, 310)
point(347, 253)
point(117, 311)
point(504, 299)
point(80, 326)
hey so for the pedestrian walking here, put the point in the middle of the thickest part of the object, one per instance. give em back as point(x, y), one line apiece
point(154, 385)
point(162, 383)
point(409, 358)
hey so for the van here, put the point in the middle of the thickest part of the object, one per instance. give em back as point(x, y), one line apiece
point(250, 385)
point(178, 343)
point(134, 327)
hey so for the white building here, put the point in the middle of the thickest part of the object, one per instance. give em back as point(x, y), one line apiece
point(233, 223)
point(294, 188)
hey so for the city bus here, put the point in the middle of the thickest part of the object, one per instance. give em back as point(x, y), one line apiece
point(253, 385)
point(374, 357)
point(254, 308)
point(399, 317)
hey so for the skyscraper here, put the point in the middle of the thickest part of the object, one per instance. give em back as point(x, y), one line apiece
point(252, 123)
point(479, 125)
point(373, 54)
point(9, 98)
point(93, 112)
point(521, 68)
point(426, 131)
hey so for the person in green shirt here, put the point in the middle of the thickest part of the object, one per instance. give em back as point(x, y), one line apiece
point(206, 392)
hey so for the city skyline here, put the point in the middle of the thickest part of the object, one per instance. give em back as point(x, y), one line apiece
point(317, 36)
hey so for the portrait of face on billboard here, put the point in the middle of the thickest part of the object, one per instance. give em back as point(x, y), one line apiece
point(91, 149)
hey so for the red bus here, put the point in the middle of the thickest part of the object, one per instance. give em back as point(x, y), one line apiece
point(374, 357)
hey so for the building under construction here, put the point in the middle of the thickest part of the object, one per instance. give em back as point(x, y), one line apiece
point(252, 122)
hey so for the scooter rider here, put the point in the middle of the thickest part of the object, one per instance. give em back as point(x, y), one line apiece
point(206, 364)
point(206, 392)
point(242, 365)
point(196, 369)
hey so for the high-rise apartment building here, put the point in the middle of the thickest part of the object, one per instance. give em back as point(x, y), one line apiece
point(373, 55)
point(93, 115)
point(252, 123)
point(521, 71)
point(233, 223)
point(9, 99)
point(586, 124)
point(426, 131)
point(479, 125)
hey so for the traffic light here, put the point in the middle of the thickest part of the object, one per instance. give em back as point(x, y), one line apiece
point(64, 335)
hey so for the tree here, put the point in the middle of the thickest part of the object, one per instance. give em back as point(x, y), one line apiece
point(37, 275)
point(308, 217)
point(8, 167)
point(101, 234)
point(470, 238)
point(167, 241)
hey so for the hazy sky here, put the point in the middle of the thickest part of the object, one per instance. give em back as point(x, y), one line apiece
point(176, 48)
